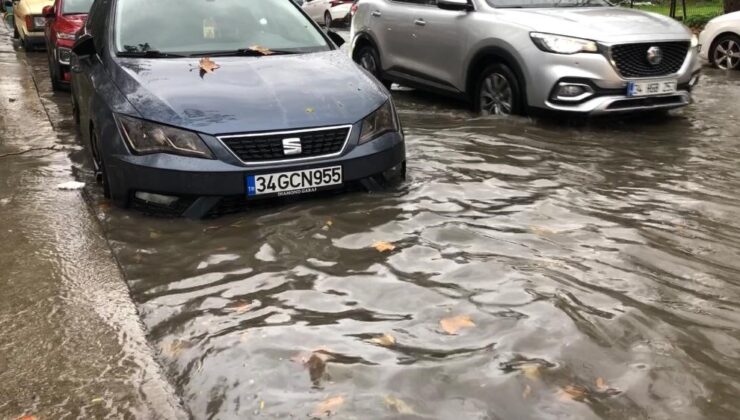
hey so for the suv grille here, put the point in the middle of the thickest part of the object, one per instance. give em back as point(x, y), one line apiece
point(265, 147)
point(631, 60)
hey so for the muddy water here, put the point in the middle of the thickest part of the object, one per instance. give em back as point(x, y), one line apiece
point(598, 261)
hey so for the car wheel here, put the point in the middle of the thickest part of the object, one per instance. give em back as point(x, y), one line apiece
point(16, 34)
point(54, 75)
point(327, 20)
point(369, 59)
point(725, 52)
point(75, 110)
point(99, 165)
point(498, 91)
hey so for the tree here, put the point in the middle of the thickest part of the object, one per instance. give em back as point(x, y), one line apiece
point(732, 6)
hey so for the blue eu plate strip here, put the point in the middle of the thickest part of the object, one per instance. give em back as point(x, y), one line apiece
point(251, 189)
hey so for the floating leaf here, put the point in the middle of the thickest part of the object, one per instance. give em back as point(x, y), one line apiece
point(207, 66)
point(260, 49)
point(456, 323)
point(310, 110)
point(328, 225)
point(527, 391)
point(572, 392)
point(71, 186)
point(329, 406)
point(601, 384)
point(316, 365)
point(385, 340)
point(242, 307)
point(398, 405)
point(28, 417)
point(384, 246)
point(541, 231)
point(262, 405)
point(96, 400)
point(155, 235)
point(531, 371)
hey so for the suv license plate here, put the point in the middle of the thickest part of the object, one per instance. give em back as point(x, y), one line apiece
point(296, 182)
point(652, 87)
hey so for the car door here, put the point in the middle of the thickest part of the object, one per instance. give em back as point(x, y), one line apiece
point(390, 26)
point(438, 43)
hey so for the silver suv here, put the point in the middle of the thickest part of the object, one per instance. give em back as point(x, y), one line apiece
point(508, 56)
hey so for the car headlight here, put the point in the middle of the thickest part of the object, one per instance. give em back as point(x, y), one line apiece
point(64, 55)
point(383, 120)
point(694, 41)
point(146, 138)
point(39, 21)
point(563, 44)
point(66, 36)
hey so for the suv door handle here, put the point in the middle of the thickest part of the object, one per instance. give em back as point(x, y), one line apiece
point(377, 13)
point(420, 22)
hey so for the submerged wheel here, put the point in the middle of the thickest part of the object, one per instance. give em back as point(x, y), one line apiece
point(99, 165)
point(327, 20)
point(498, 91)
point(56, 85)
point(369, 59)
point(725, 52)
point(16, 34)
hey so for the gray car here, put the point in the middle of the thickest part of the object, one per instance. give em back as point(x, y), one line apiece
point(509, 56)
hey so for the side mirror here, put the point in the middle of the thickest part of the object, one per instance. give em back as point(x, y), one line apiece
point(84, 46)
point(48, 12)
point(8, 5)
point(456, 5)
point(336, 38)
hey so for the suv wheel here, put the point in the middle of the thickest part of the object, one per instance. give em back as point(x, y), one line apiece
point(725, 52)
point(327, 20)
point(498, 92)
point(99, 165)
point(369, 59)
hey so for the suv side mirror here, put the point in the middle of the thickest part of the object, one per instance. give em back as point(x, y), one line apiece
point(84, 46)
point(336, 38)
point(48, 12)
point(8, 5)
point(456, 5)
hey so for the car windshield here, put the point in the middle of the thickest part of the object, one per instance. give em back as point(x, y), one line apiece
point(211, 26)
point(76, 7)
point(502, 4)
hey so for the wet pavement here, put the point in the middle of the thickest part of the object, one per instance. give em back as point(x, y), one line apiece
point(541, 269)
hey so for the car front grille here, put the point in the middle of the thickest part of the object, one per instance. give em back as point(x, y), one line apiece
point(256, 148)
point(631, 60)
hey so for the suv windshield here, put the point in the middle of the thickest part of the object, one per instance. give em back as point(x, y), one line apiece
point(547, 3)
point(209, 26)
point(76, 7)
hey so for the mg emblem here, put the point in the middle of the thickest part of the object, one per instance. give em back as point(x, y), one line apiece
point(292, 146)
point(654, 55)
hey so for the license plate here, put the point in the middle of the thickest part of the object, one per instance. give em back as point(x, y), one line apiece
point(295, 182)
point(651, 87)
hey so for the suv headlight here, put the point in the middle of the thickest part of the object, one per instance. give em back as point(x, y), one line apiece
point(146, 138)
point(563, 44)
point(694, 41)
point(383, 120)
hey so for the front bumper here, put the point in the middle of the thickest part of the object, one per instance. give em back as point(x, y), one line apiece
point(34, 40)
point(204, 185)
point(610, 88)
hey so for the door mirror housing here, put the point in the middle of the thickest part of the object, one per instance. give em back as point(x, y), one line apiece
point(336, 38)
point(8, 5)
point(48, 12)
point(84, 46)
point(457, 5)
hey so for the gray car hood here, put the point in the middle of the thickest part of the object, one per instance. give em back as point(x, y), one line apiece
point(250, 94)
point(606, 24)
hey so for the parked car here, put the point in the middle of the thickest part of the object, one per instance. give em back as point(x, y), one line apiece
point(720, 41)
point(180, 116)
point(63, 20)
point(326, 12)
point(29, 22)
point(508, 56)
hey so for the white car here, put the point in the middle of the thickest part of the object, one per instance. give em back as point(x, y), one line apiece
point(326, 12)
point(720, 41)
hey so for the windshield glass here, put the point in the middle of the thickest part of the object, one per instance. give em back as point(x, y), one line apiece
point(547, 3)
point(76, 7)
point(207, 26)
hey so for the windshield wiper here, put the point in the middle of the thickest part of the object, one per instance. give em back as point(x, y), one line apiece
point(149, 54)
point(245, 52)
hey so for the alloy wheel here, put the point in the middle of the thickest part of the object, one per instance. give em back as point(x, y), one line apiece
point(367, 61)
point(496, 96)
point(727, 54)
point(327, 20)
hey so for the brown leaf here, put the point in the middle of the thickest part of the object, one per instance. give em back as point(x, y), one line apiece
point(398, 405)
point(329, 406)
point(601, 384)
point(385, 340)
point(207, 65)
point(531, 371)
point(261, 50)
point(28, 417)
point(572, 392)
point(241, 307)
point(384, 246)
point(456, 323)
point(527, 392)
point(316, 365)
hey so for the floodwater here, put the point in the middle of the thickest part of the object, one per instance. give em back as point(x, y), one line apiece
point(593, 267)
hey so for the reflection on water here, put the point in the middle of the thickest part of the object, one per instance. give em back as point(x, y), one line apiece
point(597, 262)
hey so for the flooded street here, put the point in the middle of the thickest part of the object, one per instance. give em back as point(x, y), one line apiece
point(581, 269)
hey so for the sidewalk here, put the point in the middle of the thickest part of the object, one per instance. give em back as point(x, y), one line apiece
point(71, 342)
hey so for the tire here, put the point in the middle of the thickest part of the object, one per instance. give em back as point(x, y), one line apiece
point(56, 85)
point(75, 110)
point(16, 34)
point(327, 20)
point(498, 92)
point(99, 164)
point(369, 59)
point(725, 52)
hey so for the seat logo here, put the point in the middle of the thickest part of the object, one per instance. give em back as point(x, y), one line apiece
point(654, 55)
point(292, 146)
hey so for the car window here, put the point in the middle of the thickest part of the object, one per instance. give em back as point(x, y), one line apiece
point(75, 7)
point(202, 26)
point(97, 21)
point(547, 3)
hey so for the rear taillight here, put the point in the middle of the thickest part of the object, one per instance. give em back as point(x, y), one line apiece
point(29, 23)
point(353, 10)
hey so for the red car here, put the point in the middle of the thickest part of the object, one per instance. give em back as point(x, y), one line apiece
point(63, 20)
